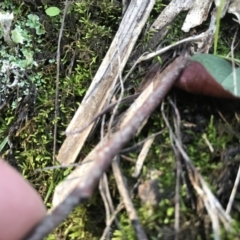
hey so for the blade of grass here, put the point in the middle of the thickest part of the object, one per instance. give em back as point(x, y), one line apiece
point(3, 143)
point(219, 12)
point(49, 192)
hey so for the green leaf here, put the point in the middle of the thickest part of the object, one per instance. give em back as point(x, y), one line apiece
point(218, 67)
point(52, 11)
point(221, 71)
point(33, 21)
point(231, 84)
point(17, 36)
point(170, 211)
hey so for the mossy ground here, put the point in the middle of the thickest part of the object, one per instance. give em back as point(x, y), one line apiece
point(89, 28)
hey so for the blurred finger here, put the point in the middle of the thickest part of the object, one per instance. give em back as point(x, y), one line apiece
point(20, 205)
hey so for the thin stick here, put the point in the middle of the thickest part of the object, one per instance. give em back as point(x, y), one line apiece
point(139, 144)
point(177, 121)
point(132, 213)
point(147, 56)
point(233, 193)
point(120, 207)
point(233, 65)
point(102, 190)
point(56, 112)
point(141, 157)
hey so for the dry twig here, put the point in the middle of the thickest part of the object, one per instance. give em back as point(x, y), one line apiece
point(105, 151)
point(119, 208)
point(67, 3)
point(233, 193)
point(124, 193)
point(212, 205)
point(107, 200)
point(142, 156)
point(179, 168)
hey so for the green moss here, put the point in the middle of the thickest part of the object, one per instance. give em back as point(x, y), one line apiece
point(88, 32)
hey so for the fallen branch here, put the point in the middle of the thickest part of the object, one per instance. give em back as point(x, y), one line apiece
point(102, 155)
point(106, 77)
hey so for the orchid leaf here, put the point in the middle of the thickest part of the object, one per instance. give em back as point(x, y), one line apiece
point(221, 72)
point(231, 84)
point(218, 67)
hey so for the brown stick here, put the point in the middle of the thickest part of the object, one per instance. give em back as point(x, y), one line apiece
point(105, 151)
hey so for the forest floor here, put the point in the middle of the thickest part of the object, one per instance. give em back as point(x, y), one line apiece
point(209, 127)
